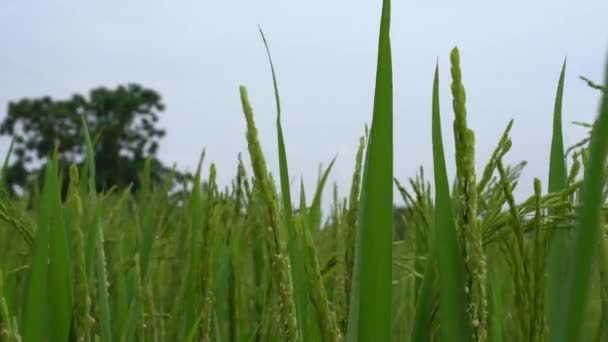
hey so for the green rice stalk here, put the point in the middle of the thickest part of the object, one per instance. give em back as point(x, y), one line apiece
point(538, 326)
point(151, 325)
point(340, 296)
point(326, 316)
point(574, 171)
point(419, 218)
point(134, 323)
point(102, 287)
point(522, 268)
point(234, 307)
point(211, 218)
point(98, 240)
point(593, 85)
point(349, 236)
point(187, 307)
point(335, 205)
point(280, 266)
point(504, 145)
point(475, 259)
point(82, 321)
point(119, 282)
point(496, 306)
point(148, 226)
point(150, 218)
point(242, 188)
point(240, 255)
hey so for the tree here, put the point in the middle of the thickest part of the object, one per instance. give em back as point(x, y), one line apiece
point(122, 122)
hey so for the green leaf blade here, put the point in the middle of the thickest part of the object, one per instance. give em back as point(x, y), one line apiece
point(450, 263)
point(35, 323)
point(370, 308)
point(557, 264)
point(60, 299)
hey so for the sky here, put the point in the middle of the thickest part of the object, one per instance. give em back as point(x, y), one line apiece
point(197, 53)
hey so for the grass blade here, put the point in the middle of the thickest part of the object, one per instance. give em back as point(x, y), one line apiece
point(557, 166)
point(295, 252)
point(370, 305)
point(60, 294)
point(284, 171)
point(36, 309)
point(557, 264)
point(315, 207)
point(450, 264)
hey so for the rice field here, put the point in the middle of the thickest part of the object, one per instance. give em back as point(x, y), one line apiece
point(464, 261)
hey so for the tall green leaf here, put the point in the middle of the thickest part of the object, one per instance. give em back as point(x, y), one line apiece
point(450, 263)
point(283, 169)
point(36, 311)
point(557, 264)
point(60, 260)
point(315, 207)
point(557, 166)
point(370, 305)
point(294, 249)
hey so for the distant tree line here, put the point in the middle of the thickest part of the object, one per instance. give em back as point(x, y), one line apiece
point(123, 125)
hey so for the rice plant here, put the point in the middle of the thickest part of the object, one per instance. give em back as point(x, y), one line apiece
point(461, 260)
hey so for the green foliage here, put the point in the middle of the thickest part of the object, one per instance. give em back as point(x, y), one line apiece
point(123, 122)
point(240, 264)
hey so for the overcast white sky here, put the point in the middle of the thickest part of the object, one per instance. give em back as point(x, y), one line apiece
point(196, 53)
